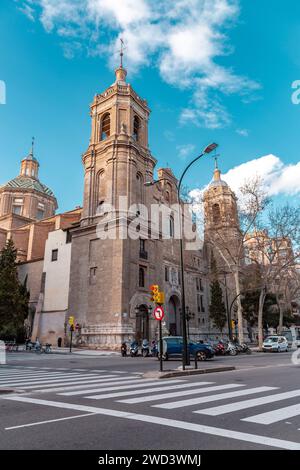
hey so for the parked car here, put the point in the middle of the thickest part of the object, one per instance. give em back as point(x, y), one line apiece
point(173, 346)
point(275, 344)
point(298, 341)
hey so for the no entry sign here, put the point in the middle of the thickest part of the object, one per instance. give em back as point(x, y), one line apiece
point(159, 313)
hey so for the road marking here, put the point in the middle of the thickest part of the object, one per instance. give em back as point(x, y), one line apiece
point(242, 405)
point(49, 421)
point(30, 373)
point(90, 383)
point(148, 390)
point(36, 377)
point(200, 428)
point(76, 382)
point(51, 381)
point(135, 383)
point(220, 396)
point(162, 396)
point(275, 415)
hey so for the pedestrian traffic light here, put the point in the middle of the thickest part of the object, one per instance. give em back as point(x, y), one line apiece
point(154, 292)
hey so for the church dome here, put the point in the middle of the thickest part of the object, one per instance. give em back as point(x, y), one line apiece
point(26, 182)
point(217, 181)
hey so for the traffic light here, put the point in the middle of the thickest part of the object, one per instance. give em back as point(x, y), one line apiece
point(71, 321)
point(154, 293)
point(233, 323)
point(161, 298)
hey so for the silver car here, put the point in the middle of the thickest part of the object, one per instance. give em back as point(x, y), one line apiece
point(275, 344)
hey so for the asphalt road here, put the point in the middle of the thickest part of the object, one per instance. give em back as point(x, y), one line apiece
point(103, 403)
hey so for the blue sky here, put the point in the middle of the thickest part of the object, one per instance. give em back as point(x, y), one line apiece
point(217, 70)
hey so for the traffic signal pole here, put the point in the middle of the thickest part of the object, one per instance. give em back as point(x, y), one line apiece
point(71, 329)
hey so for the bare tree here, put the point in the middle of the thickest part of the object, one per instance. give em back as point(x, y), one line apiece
point(276, 250)
point(231, 249)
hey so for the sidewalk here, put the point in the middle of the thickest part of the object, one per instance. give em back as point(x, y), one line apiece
point(85, 352)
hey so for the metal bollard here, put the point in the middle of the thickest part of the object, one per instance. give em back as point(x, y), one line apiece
point(196, 362)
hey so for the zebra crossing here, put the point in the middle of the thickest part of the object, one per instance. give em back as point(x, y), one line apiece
point(125, 391)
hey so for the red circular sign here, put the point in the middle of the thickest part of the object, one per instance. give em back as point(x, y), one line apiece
point(159, 313)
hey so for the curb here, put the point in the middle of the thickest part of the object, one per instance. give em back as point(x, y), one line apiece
point(182, 373)
point(6, 391)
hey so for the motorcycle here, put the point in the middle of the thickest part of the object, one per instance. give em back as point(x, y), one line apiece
point(134, 349)
point(154, 349)
point(124, 350)
point(219, 349)
point(244, 348)
point(231, 349)
point(145, 348)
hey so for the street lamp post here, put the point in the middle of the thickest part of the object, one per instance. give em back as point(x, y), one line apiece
point(227, 305)
point(185, 355)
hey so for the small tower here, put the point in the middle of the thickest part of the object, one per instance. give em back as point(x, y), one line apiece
point(25, 196)
point(29, 164)
point(220, 207)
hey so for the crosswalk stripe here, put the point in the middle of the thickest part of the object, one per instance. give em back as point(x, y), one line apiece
point(37, 377)
point(132, 384)
point(220, 396)
point(87, 384)
point(63, 378)
point(162, 396)
point(275, 415)
point(140, 392)
point(242, 405)
point(76, 382)
point(168, 423)
point(28, 373)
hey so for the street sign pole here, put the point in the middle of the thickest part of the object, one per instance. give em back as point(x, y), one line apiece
point(71, 328)
point(159, 315)
point(160, 347)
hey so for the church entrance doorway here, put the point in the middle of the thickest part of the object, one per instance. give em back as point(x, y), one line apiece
point(174, 316)
point(142, 323)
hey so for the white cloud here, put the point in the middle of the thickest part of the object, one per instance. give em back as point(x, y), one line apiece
point(278, 179)
point(182, 38)
point(184, 151)
point(243, 132)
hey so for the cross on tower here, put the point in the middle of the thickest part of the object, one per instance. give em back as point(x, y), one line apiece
point(32, 146)
point(121, 52)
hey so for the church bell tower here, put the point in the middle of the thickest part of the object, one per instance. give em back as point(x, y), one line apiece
point(117, 161)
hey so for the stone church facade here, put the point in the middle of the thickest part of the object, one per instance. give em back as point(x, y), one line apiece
point(110, 273)
point(111, 278)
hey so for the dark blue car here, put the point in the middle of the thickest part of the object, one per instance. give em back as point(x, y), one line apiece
point(173, 346)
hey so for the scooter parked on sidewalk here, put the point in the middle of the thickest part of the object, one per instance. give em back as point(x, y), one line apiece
point(134, 348)
point(231, 349)
point(145, 348)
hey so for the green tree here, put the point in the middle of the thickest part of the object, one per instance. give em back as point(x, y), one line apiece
point(14, 296)
point(217, 310)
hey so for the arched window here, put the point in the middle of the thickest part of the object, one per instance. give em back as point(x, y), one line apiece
point(105, 127)
point(140, 188)
point(136, 128)
point(171, 226)
point(216, 213)
point(141, 277)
